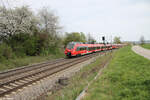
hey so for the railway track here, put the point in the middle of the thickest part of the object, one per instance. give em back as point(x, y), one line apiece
point(15, 79)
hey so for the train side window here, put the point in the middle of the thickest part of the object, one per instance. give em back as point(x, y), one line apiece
point(87, 48)
point(82, 48)
point(78, 49)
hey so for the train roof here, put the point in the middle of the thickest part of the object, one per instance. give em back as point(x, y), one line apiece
point(90, 45)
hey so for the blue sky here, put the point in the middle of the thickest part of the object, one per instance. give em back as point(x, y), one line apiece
point(128, 19)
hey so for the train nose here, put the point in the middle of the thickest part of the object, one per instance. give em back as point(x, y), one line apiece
point(68, 53)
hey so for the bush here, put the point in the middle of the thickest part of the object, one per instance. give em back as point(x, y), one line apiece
point(19, 50)
point(16, 42)
point(5, 52)
point(24, 44)
point(30, 46)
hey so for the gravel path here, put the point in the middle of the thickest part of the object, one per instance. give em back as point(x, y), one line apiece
point(141, 51)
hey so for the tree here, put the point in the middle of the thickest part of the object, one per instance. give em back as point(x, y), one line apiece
point(28, 34)
point(48, 21)
point(49, 24)
point(17, 20)
point(142, 40)
point(74, 37)
point(117, 40)
point(91, 39)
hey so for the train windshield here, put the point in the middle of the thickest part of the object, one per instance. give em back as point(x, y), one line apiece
point(70, 46)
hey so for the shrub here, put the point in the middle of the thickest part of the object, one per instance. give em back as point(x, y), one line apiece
point(5, 52)
point(30, 46)
point(16, 42)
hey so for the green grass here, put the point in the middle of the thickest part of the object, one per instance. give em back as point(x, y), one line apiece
point(78, 82)
point(126, 78)
point(18, 62)
point(147, 46)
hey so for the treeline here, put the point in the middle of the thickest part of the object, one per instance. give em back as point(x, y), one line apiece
point(24, 33)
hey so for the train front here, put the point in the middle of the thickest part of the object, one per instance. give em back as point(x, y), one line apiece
point(69, 51)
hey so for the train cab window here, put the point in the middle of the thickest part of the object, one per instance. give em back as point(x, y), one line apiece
point(70, 46)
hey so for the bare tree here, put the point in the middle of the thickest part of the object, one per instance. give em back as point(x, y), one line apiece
point(142, 40)
point(49, 24)
point(49, 21)
point(91, 39)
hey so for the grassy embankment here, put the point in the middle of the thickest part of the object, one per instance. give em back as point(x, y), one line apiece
point(80, 80)
point(27, 60)
point(147, 46)
point(126, 78)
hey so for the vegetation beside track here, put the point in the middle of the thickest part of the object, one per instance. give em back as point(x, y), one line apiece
point(147, 46)
point(27, 60)
point(126, 78)
point(78, 82)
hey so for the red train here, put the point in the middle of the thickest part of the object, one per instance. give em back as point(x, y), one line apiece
point(78, 48)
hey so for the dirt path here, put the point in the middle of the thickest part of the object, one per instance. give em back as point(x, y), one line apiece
point(141, 51)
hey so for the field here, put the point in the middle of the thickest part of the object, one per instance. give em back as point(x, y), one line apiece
point(126, 78)
point(147, 46)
